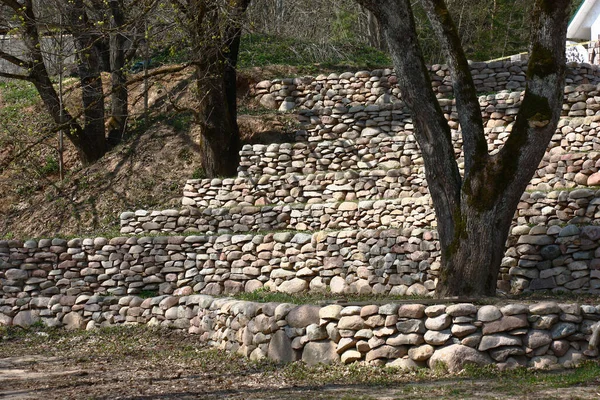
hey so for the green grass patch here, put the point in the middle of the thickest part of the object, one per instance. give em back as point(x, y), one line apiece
point(266, 296)
point(261, 50)
point(587, 372)
point(15, 96)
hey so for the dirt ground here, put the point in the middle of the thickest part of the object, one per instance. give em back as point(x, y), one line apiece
point(138, 363)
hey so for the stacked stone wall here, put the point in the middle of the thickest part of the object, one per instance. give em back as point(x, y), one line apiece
point(578, 206)
point(379, 261)
point(380, 86)
point(344, 210)
point(402, 335)
point(363, 137)
point(558, 170)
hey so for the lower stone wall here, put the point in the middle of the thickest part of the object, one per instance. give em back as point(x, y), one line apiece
point(393, 261)
point(401, 335)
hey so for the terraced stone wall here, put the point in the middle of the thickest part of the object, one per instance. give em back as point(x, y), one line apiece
point(388, 261)
point(558, 170)
point(380, 86)
point(578, 206)
point(362, 137)
point(402, 335)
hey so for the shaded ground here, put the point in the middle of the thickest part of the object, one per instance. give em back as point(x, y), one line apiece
point(138, 363)
point(147, 171)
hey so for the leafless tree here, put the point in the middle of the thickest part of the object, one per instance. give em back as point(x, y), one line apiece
point(474, 211)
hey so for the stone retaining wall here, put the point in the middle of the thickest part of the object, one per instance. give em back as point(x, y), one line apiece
point(393, 261)
point(578, 206)
point(346, 185)
point(363, 137)
point(402, 335)
point(380, 86)
point(557, 170)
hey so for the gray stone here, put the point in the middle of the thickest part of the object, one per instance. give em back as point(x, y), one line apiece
point(502, 353)
point(537, 240)
point(387, 352)
point(562, 330)
point(504, 324)
point(462, 330)
point(434, 311)
point(437, 338)
point(280, 348)
point(26, 318)
point(421, 353)
point(569, 230)
point(497, 340)
point(551, 252)
point(330, 312)
point(456, 356)
point(405, 364)
point(16, 274)
point(320, 353)
point(488, 313)
point(388, 309)
point(73, 321)
point(315, 332)
point(410, 310)
point(459, 310)
point(438, 323)
point(350, 356)
point(544, 308)
point(353, 322)
point(412, 339)
point(537, 338)
point(302, 316)
point(302, 238)
point(293, 286)
point(411, 326)
point(345, 344)
point(515, 309)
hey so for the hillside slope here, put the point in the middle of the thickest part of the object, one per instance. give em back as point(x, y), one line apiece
point(148, 170)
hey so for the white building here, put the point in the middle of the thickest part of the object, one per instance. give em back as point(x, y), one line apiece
point(585, 25)
point(585, 28)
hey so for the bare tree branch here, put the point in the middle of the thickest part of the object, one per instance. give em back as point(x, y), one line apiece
point(467, 104)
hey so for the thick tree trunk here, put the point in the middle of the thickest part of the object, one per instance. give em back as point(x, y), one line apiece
point(472, 259)
point(474, 211)
point(216, 86)
point(92, 94)
point(119, 96)
point(219, 144)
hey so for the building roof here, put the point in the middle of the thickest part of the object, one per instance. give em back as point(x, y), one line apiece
point(580, 27)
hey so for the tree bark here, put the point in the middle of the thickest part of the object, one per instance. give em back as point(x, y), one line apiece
point(119, 96)
point(474, 212)
point(92, 94)
point(216, 62)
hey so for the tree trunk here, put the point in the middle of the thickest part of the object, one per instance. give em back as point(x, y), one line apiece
point(219, 144)
point(92, 95)
point(119, 96)
point(37, 74)
point(216, 87)
point(474, 211)
point(472, 258)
